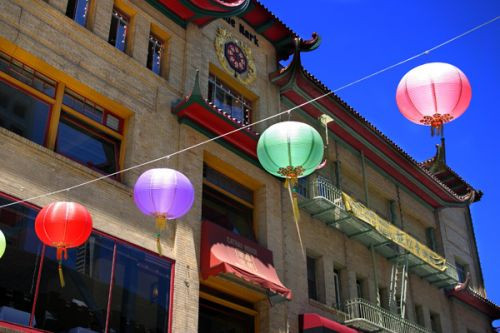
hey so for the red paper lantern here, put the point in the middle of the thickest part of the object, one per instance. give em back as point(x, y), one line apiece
point(433, 94)
point(63, 225)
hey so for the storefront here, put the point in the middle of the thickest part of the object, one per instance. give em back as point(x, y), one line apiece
point(111, 285)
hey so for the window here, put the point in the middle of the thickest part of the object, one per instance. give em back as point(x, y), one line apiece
point(392, 211)
point(118, 30)
point(23, 113)
point(419, 315)
point(140, 294)
point(461, 271)
point(435, 322)
point(227, 203)
point(337, 288)
point(229, 101)
point(383, 298)
point(155, 51)
point(77, 10)
point(359, 288)
point(86, 145)
point(215, 318)
point(311, 278)
point(431, 238)
point(86, 132)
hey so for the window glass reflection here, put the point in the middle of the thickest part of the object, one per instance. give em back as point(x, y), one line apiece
point(89, 147)
point(82, 303)
point(140, 298)
point(228, 100)
point(19, 264)
point(118, 30)
point(23, 114)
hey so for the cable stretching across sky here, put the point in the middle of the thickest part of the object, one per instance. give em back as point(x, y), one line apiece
point(288, 111)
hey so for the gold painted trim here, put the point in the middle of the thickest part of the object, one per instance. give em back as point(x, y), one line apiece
point(223, 36)
point(55, 116)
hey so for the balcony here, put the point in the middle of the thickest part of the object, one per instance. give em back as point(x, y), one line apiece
point(368, 317)
point(338, 210)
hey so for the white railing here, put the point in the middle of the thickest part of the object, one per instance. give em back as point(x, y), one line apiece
point(360, 310)
point(321, 187)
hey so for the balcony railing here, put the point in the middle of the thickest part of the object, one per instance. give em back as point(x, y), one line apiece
point(366, 316)
point(327, 203)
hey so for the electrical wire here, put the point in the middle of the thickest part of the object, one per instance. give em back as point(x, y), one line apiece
point(288, 111)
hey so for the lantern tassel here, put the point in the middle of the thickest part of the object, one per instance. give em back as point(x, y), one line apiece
point(161, 222)
point(61, 275)
point(158, 243)
point(60, 251)
point(290, 183)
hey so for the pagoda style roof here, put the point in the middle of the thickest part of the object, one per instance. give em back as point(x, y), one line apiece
point(464, 293)
point(203, 115)
point(298, 86)
point(253, 12)
point(438, 167)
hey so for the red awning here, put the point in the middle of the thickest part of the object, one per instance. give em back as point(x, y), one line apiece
point(225, 252)
point(313, 323)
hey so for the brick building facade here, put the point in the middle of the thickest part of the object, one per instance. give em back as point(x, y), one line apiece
point(92, 87)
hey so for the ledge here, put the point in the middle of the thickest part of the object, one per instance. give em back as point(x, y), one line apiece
point(198, 110)
point(45, 152)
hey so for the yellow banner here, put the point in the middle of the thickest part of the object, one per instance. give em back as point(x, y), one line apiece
point(393, 233)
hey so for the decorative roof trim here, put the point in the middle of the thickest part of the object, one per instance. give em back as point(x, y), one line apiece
point(253, 12)
point(464, 293)
point(200, 111)
point(286, 78)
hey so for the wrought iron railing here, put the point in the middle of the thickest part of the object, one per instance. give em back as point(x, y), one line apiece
point(361, 313)
point(321, 187)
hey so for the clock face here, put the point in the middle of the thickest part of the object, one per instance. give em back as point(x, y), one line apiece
point(235, 57)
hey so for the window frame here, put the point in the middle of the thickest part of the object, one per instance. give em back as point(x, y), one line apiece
point(312, 278)
point(161, 43)
point(460, 266)
point(74, 11)
point(116, 241)
point(219, 82)
point(57, 107)
point(120, 15)
point(337, 287)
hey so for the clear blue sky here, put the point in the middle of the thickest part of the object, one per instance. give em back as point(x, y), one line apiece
point(363, 36)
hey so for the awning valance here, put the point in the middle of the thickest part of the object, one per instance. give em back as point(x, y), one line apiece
point(223, 252)
point(314, 323)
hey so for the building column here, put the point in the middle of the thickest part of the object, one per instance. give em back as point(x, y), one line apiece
point(100, 17)
point(351, 291)
point(140, 38)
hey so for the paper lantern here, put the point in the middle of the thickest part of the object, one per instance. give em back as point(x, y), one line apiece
point(3, 243)
point(433, 94)
point(63, 225)
point(165, 194)
point(290, 150)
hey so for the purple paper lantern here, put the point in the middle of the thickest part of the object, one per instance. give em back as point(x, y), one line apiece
point(165, 194)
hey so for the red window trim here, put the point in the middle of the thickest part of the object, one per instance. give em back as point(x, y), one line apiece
point(101, 233)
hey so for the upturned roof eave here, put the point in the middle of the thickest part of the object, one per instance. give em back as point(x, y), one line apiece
point(286, 78)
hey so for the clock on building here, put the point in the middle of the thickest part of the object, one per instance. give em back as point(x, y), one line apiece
point(235, 56)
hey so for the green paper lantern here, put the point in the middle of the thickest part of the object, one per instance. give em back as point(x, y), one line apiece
point(3, 244)
point(290, 149)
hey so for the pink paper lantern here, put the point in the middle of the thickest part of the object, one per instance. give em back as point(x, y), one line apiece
point(433, 94)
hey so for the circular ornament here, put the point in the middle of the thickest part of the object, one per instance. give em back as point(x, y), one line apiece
point(235, 56)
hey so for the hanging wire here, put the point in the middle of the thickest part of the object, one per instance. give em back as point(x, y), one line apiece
point(288, 111)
